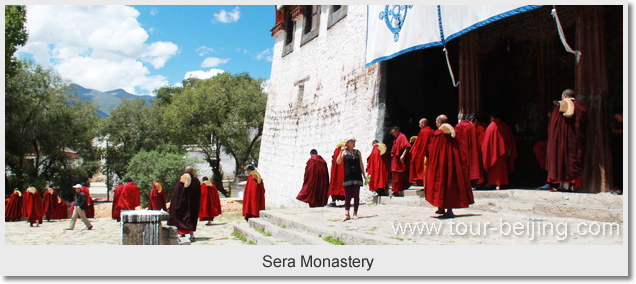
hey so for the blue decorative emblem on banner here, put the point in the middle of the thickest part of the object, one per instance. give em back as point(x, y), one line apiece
point(394, 17)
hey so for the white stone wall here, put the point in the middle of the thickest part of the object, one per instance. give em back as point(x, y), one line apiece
point(340, 99)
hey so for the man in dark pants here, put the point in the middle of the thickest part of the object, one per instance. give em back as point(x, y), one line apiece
point(80, 206)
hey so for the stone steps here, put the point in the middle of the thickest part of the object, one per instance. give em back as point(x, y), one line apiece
point(257, 237)
point(348, 237)
point(597, 207)
point(282, 233)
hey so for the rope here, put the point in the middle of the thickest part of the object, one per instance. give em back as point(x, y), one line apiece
point(450, 69)
point(562, 36)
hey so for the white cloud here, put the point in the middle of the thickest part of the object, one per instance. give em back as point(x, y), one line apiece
point(200, 74)
point(204, 50)
point(228, 17)
point(265, 54)
point(98, 47)
point(154, 11)
point(213, 62)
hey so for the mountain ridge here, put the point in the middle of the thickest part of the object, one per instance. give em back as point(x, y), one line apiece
point(106, 101)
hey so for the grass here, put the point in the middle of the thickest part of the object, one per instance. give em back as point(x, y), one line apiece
point(283, 226)
point(262, 231)
point(333, 241)
point(242, 238)
point(399, 239)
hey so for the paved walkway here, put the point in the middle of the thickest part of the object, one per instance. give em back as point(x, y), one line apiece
point(108, 232)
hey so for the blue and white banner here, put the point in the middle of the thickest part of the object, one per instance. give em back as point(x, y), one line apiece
point(396, 29)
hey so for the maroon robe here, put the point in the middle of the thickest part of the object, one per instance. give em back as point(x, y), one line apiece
point(399, 167)
point(50, 205)
point(446, 185)
point(61, 210)
point(210, 203)
point(566, 144)
point(253, 196)
point(156, 199)
point(540, 148)
point(417, 169)
point(378, 170)
point(128, 199)
point(469, 149)
point(13, 208)
point(184, 205)
point(315, 191)
point(116, 196)
point(90, 210)
point(499, 152)
point(32, 208)
point(336, 184)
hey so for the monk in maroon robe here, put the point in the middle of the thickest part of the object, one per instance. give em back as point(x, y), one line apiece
point(336, 187)
point(32, 208)
point(399, 161)
point(128, 199)
point(446, 184)
point(185, 202)
point(116, 195)
point(499, 152)
point(50, 204)
point(13, 208)
point(90, 211)
point(61, 211)
point(254, 194)
point(378, 168)
point(469, 149)
point(417, 167)
point(315, 191)
point(157, 197)
point(566, 141)
point(210, 202)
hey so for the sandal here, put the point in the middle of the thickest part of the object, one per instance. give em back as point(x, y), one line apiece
point(346, 218)
point(355, 216)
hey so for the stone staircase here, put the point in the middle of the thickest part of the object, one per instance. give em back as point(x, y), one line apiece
point(603, 207)
point(323, 226)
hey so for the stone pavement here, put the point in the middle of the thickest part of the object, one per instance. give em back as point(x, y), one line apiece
point(108, 232)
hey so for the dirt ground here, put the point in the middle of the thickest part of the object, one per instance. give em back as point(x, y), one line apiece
point(104, 209)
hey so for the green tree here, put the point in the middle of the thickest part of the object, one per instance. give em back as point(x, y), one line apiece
point(166, 167)
point(134, 126)
point(222, 112)
point(15, 35)
point(48, 131)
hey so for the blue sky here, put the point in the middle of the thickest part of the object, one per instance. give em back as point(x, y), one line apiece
point(140, 48)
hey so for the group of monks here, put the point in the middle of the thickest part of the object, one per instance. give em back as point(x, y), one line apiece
point(34, 206)
point(450, 162)
point(193, 200)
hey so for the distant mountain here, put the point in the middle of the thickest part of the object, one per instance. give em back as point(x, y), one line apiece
point(106, 101)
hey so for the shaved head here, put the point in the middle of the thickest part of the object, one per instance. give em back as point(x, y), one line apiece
point(441, 119)
point(189, 170)
point(568, 93)
point(423, 122)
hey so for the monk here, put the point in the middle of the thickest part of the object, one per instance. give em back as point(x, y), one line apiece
point(61, 209)
point(499, 152)
point(378, 169)
point(128, 199)
point(90, 211)
point(13, 208)
point(566, 141)
point(315, 191)
point(446, 184)
point(32, 208)
point(399, 161)
point(469, 148)
point(157, 197)
point(254, 196)
point(50, 204)
point(116, 195)
point(210, 202)
point(336, 187)
point(184, 206)
point(417, 165)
